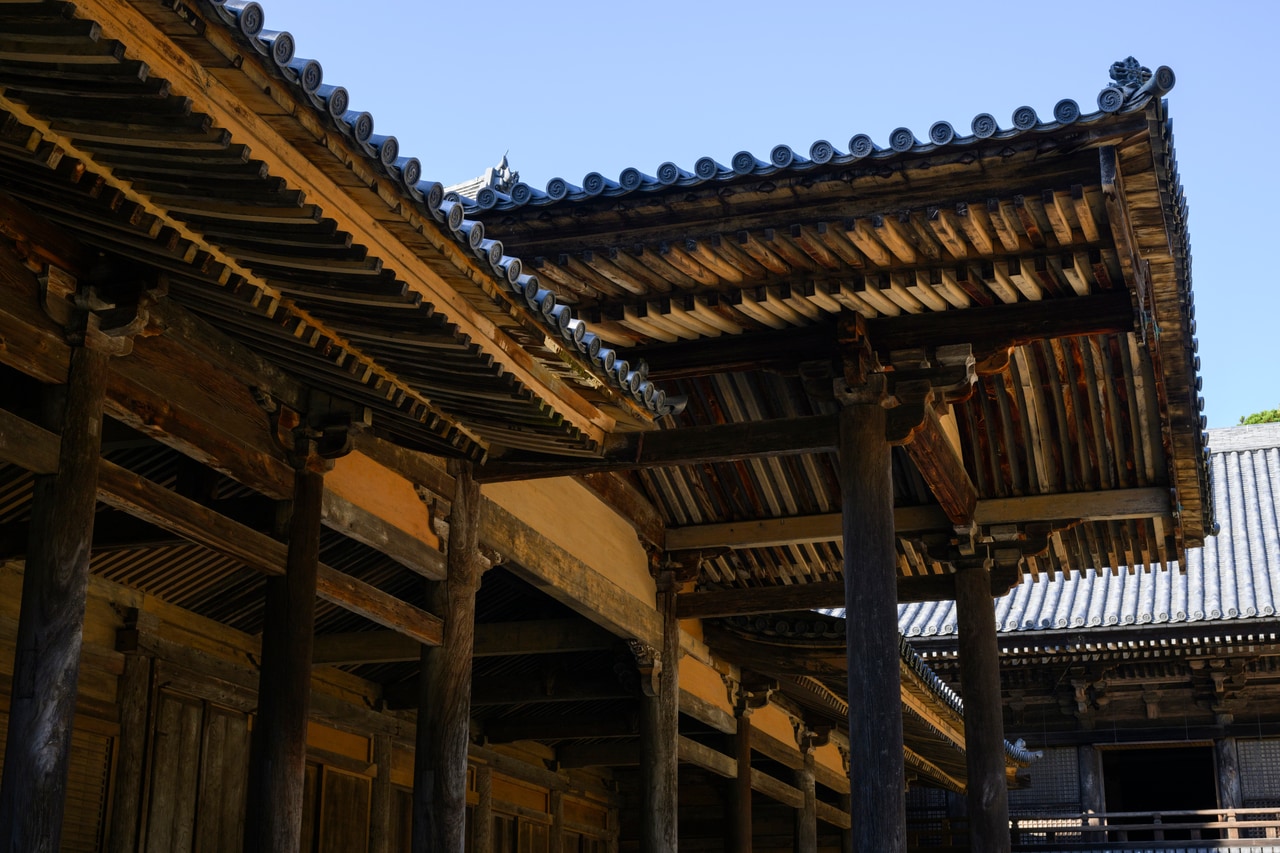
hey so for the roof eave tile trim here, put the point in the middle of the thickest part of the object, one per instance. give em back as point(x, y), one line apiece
point(245, 20)
point(1132, 89)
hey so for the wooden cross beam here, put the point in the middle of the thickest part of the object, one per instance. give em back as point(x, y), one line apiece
point(532, 637)
point(988, 329)
point(25, 444)
point(719, 443)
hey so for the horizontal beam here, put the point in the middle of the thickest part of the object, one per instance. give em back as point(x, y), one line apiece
point(702, 444)
point(533, 637)
point(1106, 505)
point(817, 596)
point(987, 329)
point(139, 497)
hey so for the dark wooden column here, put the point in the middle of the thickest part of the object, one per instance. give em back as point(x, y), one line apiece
point(979, 652)
point(46, 664)
point(876, 767)
point(482, 838)
point(380, 798)
point(660, 735)
point(1092, 795)
point(278, 753)
point(1230, 794)
point(444, 709)
point(133, 695)
point(807, 814)
point(739, 823)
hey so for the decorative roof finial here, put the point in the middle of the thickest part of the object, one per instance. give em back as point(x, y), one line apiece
point(1130, 73)
point(1134, 82)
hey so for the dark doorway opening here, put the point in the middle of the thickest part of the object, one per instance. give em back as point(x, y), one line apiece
point(1163, 779)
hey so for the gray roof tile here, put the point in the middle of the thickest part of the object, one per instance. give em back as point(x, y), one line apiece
point(1236, 575)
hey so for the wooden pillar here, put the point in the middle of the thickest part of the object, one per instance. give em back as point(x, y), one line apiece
point(846, 835)
point(739, 823)
point(660, 735)
point(278, 753)
point(444, 709)
point(556, 835)
point(1089, 763)
point(870, 575)
point(1230, 793)
point(133, 696)
point(46, 664)
point(380, 798)
point(482, 836)
point(807, 814)
point(979, 652)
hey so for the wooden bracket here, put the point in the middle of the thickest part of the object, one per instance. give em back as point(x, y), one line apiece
point(105, 309)
point(686, 565)
point(809, 738)
point(649, 663)
point(325, 432)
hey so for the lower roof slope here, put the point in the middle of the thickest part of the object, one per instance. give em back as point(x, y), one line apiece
point(1235, 576)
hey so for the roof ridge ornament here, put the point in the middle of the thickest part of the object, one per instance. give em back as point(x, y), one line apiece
point(1134, 82)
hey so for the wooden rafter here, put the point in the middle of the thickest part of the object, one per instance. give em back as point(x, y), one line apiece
point(212, 96)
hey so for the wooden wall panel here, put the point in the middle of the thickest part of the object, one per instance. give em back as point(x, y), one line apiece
point(224, 769)
point(344, 812)
point(171, 813)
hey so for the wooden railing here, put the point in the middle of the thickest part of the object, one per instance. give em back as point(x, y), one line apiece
point(1254, 829)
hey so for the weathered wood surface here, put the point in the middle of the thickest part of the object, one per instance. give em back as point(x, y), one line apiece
point(126, 803)
point(381, 798)
point(273, 819)
point(660, 736)
point(870, 558)
point(988, 797)
point(444, 712)
point(942, 467)
point(482, 841)
point(494, 639)
point(170, 511)
point(1106, 505)
point(51, 622)
point(807, 814)
point(739, 821)
point(701, 444)
point(989, 329)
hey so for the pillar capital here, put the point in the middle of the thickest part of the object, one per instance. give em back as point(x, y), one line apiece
point(105, 307)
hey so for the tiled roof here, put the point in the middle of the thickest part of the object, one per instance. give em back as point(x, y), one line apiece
point(1235, 576)
point(1129, 92)
point(247, 21)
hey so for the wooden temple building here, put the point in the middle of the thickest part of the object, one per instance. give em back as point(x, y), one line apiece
point(1154, 694)
point(338, 512)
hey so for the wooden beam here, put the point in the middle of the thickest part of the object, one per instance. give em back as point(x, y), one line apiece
point(151, 502)
point(660, 735)
point(942, 468)
point(987, 329)
point(46, 665)
point(702, 444)
point(630, 503)
point(560, 728)
point(1104, 505)
point(532, 637)
point(739, 804)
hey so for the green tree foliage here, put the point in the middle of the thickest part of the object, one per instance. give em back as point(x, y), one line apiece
point(1266, 416)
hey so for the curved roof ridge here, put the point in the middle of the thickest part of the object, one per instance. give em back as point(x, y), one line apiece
point(1133, 86)
point(246, 20)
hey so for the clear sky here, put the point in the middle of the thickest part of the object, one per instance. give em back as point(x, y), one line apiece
point(569, 88)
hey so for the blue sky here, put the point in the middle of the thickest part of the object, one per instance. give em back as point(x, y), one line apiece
point(569, 88)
